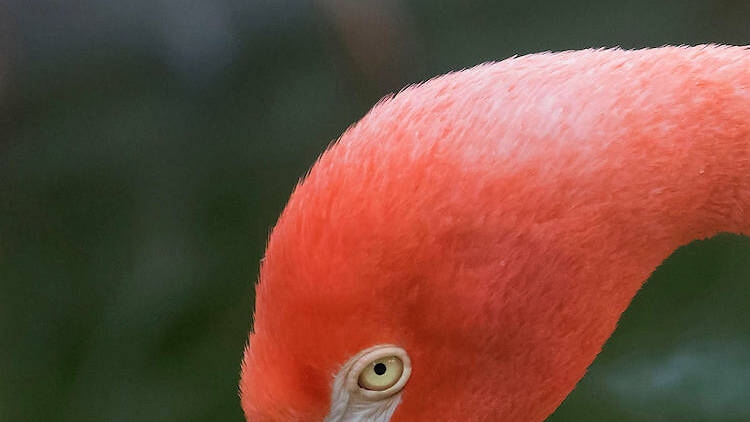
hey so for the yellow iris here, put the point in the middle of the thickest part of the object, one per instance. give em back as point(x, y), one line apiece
point(381, 374)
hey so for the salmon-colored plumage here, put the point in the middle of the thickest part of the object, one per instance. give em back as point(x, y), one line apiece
point(495, 223)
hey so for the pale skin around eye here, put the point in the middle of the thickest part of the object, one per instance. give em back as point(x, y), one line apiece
point(368, 387)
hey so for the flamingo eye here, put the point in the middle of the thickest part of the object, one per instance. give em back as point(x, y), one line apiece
point(381, 374)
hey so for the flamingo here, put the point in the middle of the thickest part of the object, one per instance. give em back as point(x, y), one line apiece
point(463, 252)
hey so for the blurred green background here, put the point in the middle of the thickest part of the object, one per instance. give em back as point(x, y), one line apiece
point(147, 147)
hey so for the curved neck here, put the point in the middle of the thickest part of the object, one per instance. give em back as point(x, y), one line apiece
point(664, 183)
point(671, 168)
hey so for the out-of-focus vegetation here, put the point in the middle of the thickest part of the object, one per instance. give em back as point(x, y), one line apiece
point(146, 148)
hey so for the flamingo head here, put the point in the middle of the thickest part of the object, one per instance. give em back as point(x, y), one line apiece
point(463, 252)
point(398, 253)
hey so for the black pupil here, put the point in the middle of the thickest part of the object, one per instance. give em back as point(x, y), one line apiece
point(379, 368)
